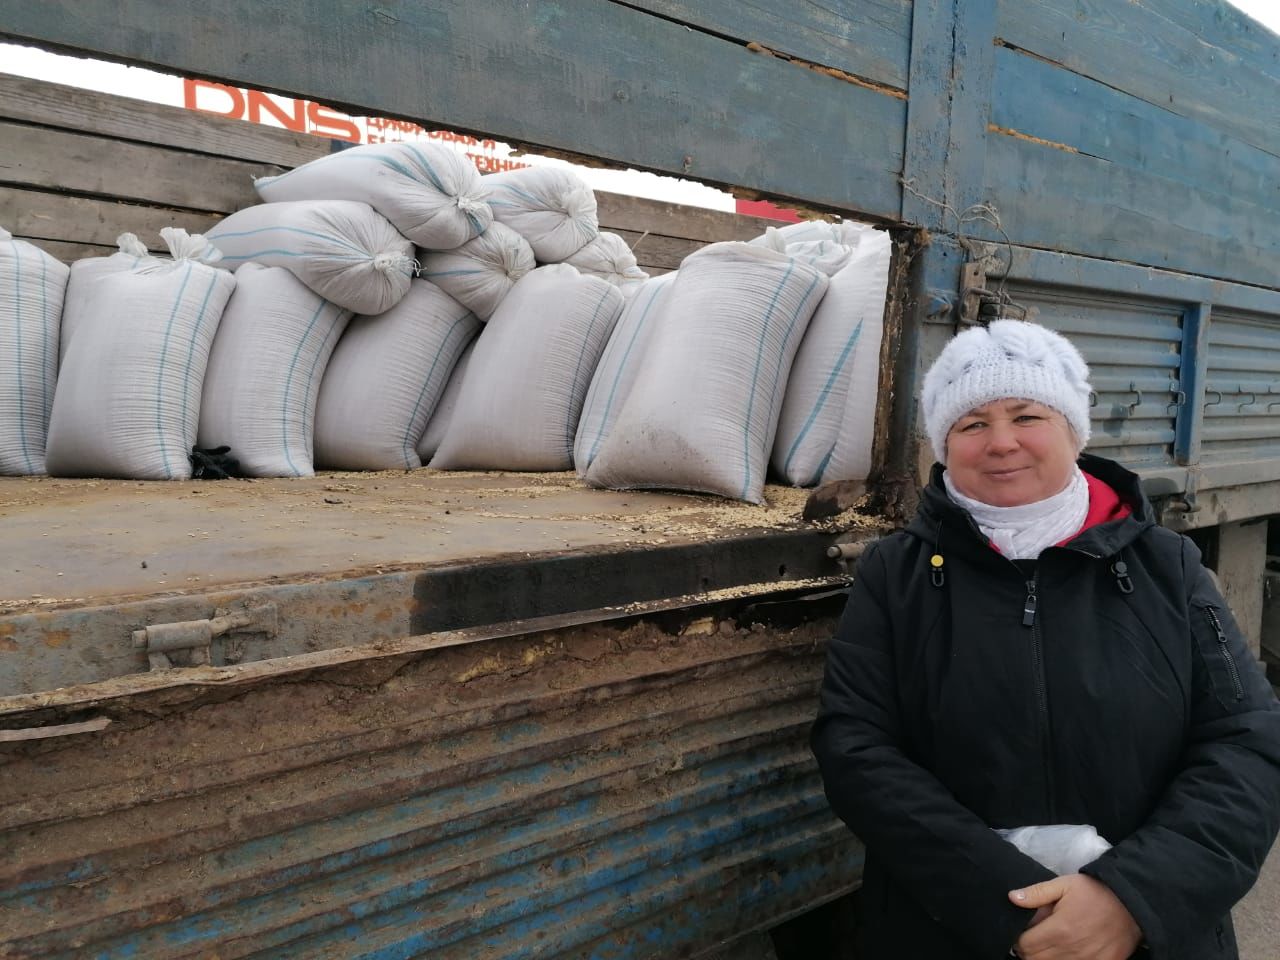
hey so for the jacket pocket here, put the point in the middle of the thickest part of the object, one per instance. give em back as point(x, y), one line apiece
point(1211, 638)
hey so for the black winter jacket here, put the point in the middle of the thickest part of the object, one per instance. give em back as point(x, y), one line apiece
point(1079, 691)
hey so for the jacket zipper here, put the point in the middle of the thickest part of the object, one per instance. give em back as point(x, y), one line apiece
point(1236, 683)
point(1029, 608)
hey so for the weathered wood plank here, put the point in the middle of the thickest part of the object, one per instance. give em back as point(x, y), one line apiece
point(655, 250)
point(58, 160)
point(1071, 112)
point(69, 252)
point(55, 216)
point(617, 211)
point(1127, 47)
point(1052, 199)
point(86, 111)
point(1225, 26)
point(867, 38)
point(611, 81)
point(928, 113)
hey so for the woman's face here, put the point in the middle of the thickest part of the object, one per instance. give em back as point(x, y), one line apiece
point(1011, 452)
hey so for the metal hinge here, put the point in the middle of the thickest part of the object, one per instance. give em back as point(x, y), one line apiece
point(189, 643)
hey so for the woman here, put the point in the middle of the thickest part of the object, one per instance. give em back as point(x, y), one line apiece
point(1032, 650)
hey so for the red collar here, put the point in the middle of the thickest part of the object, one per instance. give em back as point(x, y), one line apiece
point(1104, 505)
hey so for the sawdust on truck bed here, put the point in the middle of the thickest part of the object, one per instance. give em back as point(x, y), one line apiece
point(68, 541)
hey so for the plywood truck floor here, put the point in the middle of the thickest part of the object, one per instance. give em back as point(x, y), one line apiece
point(71, 541)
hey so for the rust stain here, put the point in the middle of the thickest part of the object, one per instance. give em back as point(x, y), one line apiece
point(7, 645)
point(838, 74)
point(1018, 135)
point(56, 638)
point(382, 615)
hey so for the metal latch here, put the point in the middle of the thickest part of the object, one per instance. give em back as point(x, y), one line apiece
point(978, 305)
point(193, 639)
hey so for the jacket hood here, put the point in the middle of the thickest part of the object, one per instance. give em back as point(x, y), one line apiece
point(939, 517)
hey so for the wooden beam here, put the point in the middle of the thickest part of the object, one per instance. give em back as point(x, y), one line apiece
point(42, 216)
point(44, 158)
point(875, 45)
point(640, 214)
point(85, 111)
point(580, 76)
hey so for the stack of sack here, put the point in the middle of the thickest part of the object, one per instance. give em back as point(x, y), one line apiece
point(701, 411)
point(750, 356)
point(386, 307)
point(826, 428)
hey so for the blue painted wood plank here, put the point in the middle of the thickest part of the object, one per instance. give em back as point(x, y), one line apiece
point(1072, 202)
point(1195, 360)
point(1067, 270)
point(928, 113)
point(1040, 100)
point(1128, 47)
point(591, 77)
point(973, 70)
point(867, 38)
point(1223, 25)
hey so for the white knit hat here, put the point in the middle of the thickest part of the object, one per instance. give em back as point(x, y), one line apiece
point(1008, 359)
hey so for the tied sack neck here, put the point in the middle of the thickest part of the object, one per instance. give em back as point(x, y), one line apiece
point(1021, 532)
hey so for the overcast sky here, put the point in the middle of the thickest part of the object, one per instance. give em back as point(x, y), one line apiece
point(1264, 11)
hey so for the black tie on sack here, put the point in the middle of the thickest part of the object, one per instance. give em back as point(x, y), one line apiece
point(214, 463)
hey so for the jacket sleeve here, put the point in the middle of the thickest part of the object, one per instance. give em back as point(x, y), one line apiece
point(1200, 850)
point(957, 868)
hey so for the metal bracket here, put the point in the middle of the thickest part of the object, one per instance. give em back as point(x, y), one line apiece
point(973, 284)
point(189, 643)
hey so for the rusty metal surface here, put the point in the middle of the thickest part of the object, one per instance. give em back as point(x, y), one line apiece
point(637, 789)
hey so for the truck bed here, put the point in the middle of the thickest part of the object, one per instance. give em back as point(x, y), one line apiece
point(70, 542)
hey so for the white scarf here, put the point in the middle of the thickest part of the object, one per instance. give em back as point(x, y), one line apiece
point(1021, 532)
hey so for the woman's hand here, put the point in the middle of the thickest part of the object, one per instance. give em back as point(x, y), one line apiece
point(1087, 921)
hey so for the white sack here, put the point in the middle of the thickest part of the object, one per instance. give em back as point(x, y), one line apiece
point(481, 271)
point(551, 207)
point(445, 406)
point(343, 250)
point(272, 346)
point(834, 384)
point(520, 400)
point(1061, 847)
point(430, 192)
point(619, 366)
point(609, 257)
point(703, 412)
point(385, 378)
point(32, 286)
point(846, 233)
point(80, 303)
point(128, 397)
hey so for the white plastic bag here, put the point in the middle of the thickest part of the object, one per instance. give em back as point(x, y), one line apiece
point(270, 352)
point(519, 403)
point(609, 257)
point(443, 413)
point(481, 271)
point(702, 414)
point(127, 402)
point(1063, 848)
point(32, 286)
point(80, 303)
point(618, 368)
point(385, 378)
point(343, 250)
point(430, 192)
point(834, 384)
point(551, 207)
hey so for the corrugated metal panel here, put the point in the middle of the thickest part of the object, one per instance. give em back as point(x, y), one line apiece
point(1132, 347)
point(1242, 403)
point(606, 791)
